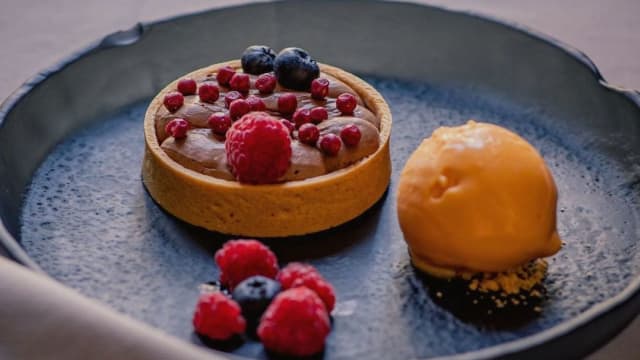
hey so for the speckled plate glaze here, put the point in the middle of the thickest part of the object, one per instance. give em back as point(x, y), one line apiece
point(73, 206)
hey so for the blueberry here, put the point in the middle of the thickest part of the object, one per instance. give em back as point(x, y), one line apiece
point(258, 59)
point(295, 69)
point(254, 296)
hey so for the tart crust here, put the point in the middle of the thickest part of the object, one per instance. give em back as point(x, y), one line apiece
point(275, 210)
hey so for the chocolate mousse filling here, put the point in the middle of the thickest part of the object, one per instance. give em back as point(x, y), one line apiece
point(203, 151)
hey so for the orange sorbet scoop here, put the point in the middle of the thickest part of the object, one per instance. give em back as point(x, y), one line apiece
point(477, 198)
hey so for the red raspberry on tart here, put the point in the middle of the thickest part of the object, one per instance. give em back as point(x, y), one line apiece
point(258, 148)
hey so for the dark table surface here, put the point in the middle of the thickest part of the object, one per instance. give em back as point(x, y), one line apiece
point(35, 34)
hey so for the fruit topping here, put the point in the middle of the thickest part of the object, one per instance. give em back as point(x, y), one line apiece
point(266, 83)
point(254, 296)
point(241, 259)
point(346, 103)
point(330, 144)
point(258, 148)
point(319, 114)
point(301, 116)
point(256, 103)
point(295, 69)
point(319, 88)
point(187, 86)
point(208, 92)
point(308, 134)
point(224, 75)
point(258, 59)
point(219, 122)
point(238, 108)
point(218, 317)
point(230, 97)
point(289, 125)
point(298, 274)
point(240, 82)
point(173, 101)
point(287, 103)
point(350, 135)
point(296, 323)
point(177, 128)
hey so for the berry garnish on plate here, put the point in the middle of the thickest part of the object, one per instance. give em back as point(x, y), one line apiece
point(319, 114)
point(173, 101)
point(308, 134)
point(240, 82)
point(224, 75)
point(208, 92)
point(258, 148)
point(346, 103)
point(254, 296)
point(301, 117)
point(295, 69)
point(258, 59)
point(296, 323)
point(256, 103)
point(266, 83)
point(319, 88)
point(297, 275)
point(230, 97)
point(217, 317)
point(241, 259)
point(330, 144)
point(219, 122)
point(177, 128)
point(238, 108)
point(287, 103)
point(350, 135)
point(187, 86)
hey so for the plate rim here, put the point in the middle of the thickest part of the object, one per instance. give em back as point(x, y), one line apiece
point(130, 36)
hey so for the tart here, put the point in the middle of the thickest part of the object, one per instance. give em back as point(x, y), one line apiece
point(478, 202)
point(187, 170)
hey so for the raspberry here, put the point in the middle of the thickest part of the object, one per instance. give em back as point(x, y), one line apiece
point(239, 107)
point(350, 135)
point(173, 101)
point(256, 103)
point(258, 148)
point(318, 114)
point(219, 122)
point(240, 82)
point(293, 271)
point(177, 128)
point(187, 86)
point(230, 97)
point(218, 317)
point(303, 275)
point(330, 144)
point(287, 103)
point(346, 103)
point(241, 259)
point(308, 134)
point(301, 117)
point(266, 83)
point(224, 75)
point(319, 88)
point(208, 92)
point(296, 323)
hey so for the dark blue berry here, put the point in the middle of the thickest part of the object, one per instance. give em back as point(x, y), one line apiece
point(254, 296)
point(295, 69)
point(258, 59)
